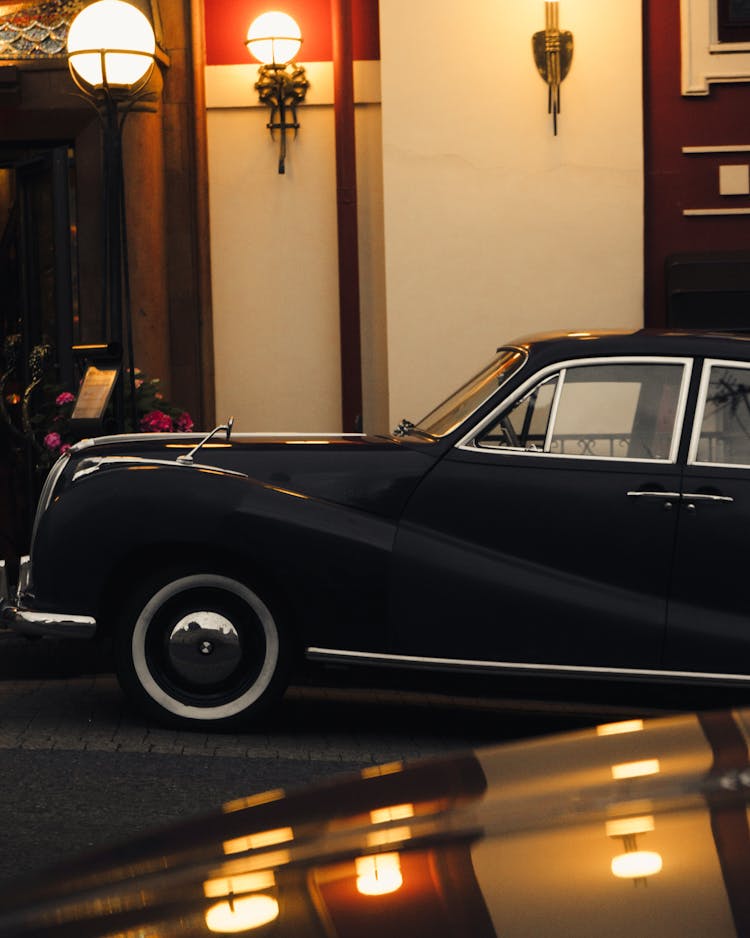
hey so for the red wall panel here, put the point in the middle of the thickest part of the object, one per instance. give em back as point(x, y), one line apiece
point(227, 22)
point(675, 181)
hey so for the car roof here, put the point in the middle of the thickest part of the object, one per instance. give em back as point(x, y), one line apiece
point(598, 342)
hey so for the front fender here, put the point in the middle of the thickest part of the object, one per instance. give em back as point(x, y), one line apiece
point(330, 560)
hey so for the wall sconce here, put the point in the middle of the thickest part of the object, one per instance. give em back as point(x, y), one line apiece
point(553, 53)
point(274, 39)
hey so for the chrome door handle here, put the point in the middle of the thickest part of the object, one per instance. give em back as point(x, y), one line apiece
point(667, 495)
point(669, 498)
point(700, 497)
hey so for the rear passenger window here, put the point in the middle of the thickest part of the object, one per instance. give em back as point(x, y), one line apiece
point(725, 417)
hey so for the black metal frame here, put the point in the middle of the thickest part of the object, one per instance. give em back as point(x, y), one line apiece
point(282, 88)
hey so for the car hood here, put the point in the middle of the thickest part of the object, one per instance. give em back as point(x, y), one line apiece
point(374, 473)
point(629, 828)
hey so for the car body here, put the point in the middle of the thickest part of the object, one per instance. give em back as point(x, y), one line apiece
point(629, 828)
point(580, 507)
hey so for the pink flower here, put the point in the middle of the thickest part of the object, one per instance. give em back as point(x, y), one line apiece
point(138, 383)
point(52, 441)
point(64, 448)
point(184, 423)
point(64, 398)
point(156, 421)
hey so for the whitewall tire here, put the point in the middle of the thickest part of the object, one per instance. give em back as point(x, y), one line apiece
point(200, 649)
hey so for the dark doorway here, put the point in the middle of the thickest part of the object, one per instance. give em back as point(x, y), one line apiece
point(39, 321)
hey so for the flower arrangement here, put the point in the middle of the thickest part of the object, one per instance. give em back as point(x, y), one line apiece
point(154, 414)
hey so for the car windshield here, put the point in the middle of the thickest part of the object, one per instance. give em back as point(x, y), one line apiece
point(452, 412)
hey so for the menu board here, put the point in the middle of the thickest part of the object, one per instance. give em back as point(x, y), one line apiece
point(95, 392)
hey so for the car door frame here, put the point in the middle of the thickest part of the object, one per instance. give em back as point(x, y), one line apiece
point(670, 465)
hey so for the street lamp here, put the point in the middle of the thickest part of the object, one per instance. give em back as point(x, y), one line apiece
point(111, 52)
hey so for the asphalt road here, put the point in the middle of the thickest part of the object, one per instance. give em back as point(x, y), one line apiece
point(80, 769)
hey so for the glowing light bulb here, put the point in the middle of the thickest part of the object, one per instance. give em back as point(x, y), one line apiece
point(274, 38)
point(108, 33)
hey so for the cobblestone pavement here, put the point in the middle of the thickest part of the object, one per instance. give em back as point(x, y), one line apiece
point(80, 769)
point(54, 695)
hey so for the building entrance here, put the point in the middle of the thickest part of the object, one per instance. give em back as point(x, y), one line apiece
point(39, 321)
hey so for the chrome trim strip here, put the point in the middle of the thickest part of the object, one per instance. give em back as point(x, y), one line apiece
point(363, 657)
point(195, 436)
point(467, 442)
point(699, 497)
point(97, 462)
point(553, 410)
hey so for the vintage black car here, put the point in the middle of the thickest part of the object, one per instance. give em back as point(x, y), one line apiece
point(580, 507)
point(629, 828)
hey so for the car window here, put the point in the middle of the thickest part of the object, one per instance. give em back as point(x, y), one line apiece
point(725, 421)
point(605, 410)
point(452, 412)
point(524, 426)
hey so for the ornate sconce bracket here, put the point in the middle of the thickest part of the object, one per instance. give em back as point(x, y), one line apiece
point(553, 54)
point(282, 88)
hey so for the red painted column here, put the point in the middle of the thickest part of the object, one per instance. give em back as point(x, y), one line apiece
point(346, 195)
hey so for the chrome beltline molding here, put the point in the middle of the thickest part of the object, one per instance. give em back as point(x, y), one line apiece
point(314, 653)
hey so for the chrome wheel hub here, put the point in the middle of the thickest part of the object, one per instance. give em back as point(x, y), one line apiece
point(204, 647)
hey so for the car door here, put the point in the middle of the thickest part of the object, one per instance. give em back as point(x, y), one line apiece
point(709, 604)
point(545, 537)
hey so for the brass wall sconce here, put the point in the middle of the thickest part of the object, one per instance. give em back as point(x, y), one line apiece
point(553, 54)
point(274, 39)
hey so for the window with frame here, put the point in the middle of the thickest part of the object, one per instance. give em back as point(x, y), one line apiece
point(606, 410)
point(725, 423)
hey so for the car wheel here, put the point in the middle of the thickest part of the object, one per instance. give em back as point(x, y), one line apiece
point(200, 649)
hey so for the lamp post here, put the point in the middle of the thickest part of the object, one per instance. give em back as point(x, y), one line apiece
point(111, 52)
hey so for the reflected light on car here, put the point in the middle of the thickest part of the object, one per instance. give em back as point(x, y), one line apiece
point(637, 864)
point(239, 915)
point(379, 875)
point(259, 840)
point(244, 906)
point(389, 835)
point(624, 726)
point(628, 826)
point(377, 771)
point(266, 797)
point(395, 813)
point(636, 769)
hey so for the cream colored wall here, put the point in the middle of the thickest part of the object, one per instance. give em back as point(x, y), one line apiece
point(493, 226)
point(274, 255)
